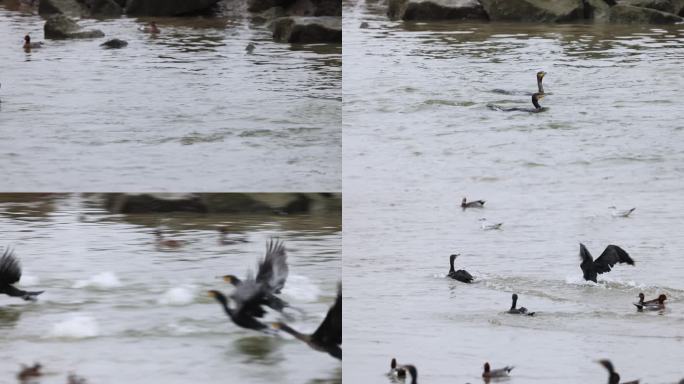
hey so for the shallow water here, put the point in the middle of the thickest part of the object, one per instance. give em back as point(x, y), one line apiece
point(117, 308)
point(419, 136)
point(187, 110)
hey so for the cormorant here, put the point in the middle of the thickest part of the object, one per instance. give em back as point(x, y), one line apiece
point(328, 336)
point(248, 300)
point(535, 101)
point(397, 370)
point(487, 226)
point(10, 273)
point(518, 311)
point(472, 204)
point(651, 305)
point(610, 256)
point(460, 275)
point(272, 273)
point(493, 373)
point(614, 378)
point(621, 212)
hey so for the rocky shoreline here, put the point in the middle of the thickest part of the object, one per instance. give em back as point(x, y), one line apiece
point(548, 11)
point(291, 21)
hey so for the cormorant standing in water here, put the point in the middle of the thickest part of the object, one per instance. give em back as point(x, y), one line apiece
point(518, 311)
point(460, 275)
point(272, 273)
point(613, 377)
point(10, 273)
point(610, 256)
point(328, 336)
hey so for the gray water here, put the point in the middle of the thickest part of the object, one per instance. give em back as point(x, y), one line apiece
point(419, 136)
point(118, 308)
point(187, 110)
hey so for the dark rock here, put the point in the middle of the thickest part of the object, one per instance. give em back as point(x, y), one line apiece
point(62, 27)
point(436, 10)
point(262, 5)
point(308, 30)
point(57, 7)
point(298, 7)
point(114, 43)
point(534, 10)
point(168, 7)
point(158, 202)
point(659, 5)
point(626, 14)
point(103, 8)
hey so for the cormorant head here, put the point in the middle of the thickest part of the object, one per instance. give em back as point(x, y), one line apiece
point(452, 257)
point(218, 296)
point(231, 279)
point(515, 297)
point(540, 75)
point(607, 364)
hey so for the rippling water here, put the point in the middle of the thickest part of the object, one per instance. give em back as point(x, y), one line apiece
point(168, 111)
point(117, 308)
point(419, 137)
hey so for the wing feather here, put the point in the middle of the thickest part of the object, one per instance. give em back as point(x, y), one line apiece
point(611, 255)
point(10, 269)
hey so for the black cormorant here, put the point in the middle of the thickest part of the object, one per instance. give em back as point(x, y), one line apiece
point(328, 336)
point(248, 300)
point(460, 275)
point(518, 311)
point(471, 204)
point(10, 273)
point(397, 370)
point(535, 101)
point(613, 377)
point(494, 373)
point(610, 256)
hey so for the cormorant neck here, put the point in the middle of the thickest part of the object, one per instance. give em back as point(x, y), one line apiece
point(451, 263)
point(515, 302)
point(539, 84)
point(535, 102)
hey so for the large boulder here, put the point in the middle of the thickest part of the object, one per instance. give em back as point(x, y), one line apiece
point(534, 10)
point(114, 44)
point(62, 27)
point(57, 7)
point(298, 7)
point(103, 8)
point(627, 14)
point(308, 29)
point(436, 10)
point(168, 7)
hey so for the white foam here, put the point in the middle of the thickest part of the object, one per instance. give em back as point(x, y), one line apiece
point(101, 280)
point(178, 296)
point(77, 327)
point(301, 288)
point(578, 280)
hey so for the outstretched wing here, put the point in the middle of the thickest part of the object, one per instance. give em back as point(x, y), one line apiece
point(611, 256)
point(585, 255)
point(10, 269)
point(273, 269)
point(330, 330)
point(249, 298)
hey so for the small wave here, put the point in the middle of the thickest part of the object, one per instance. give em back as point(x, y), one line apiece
point(77, 327)
point(301, 288)
point(29, 281)
point(177, 296)
point(102, 280)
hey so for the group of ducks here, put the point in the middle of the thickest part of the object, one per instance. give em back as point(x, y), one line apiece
point(402, 371)
point(591, 268)
point(29, 45)
point(28, 374)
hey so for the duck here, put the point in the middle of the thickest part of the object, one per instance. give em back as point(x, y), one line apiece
point(487, 226)
point(168, 243)
point(611, 255)
point(461, 275)
point(328, 336)
point(396, 370)
point(224, 240)
point(28, 373)
point(28, 45)
point(489, 373)
point(150, 28)
point(620, 212)
point(651, 305)
point(472, 204)
point(250, 47)
point(518, 311)
point(613, 377)
point(10, 273)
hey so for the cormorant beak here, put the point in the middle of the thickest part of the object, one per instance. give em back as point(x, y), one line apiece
point(211, 294)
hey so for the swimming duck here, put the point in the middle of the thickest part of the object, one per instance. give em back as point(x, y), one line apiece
point(28, 45)
point(651, 305)
point(250, 47)
point(168, 243)
point(224, 240)
point(328, 336)
point(621, 212)
point(472, 204)
point(494, 373)
point(611, 255)
point(396, 370)
point(10, 273)
point(150, 28)
point(460, 275)
point(487, 226)
point(613, 377)
point(28, 373)
point(518, 311)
